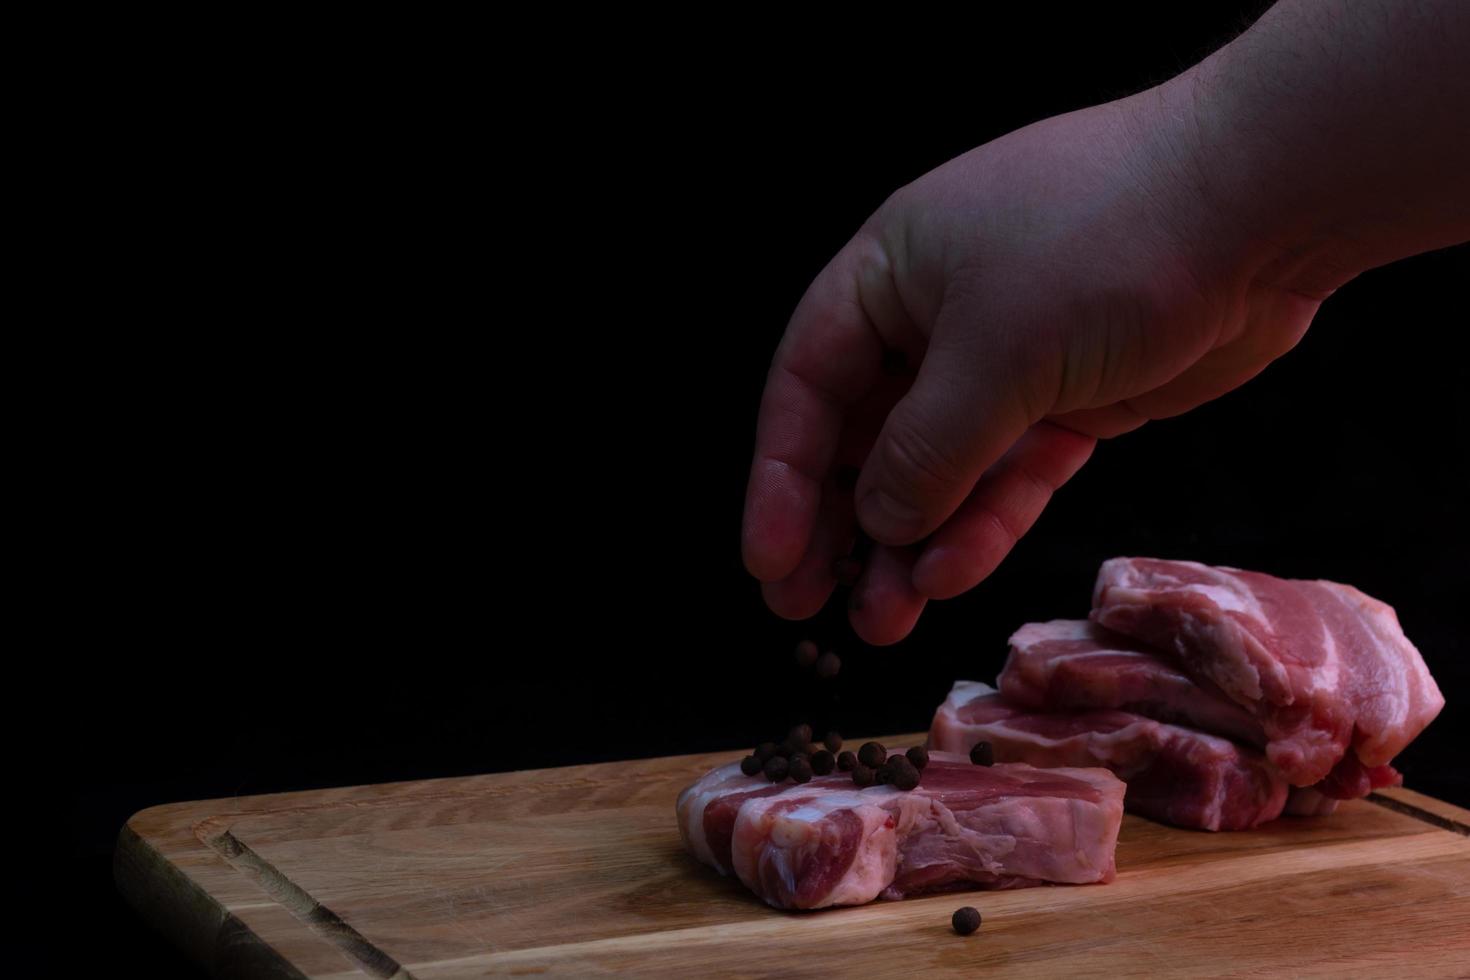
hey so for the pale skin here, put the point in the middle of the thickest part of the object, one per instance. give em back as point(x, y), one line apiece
point(1077, 278)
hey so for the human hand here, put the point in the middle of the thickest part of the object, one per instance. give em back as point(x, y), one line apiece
point(1067, 282)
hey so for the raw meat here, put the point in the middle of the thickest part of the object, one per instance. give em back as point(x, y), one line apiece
point(1073, 663)
point(1175, 775)
point(827, 842)
point(1337, 686)
point(1070, 664)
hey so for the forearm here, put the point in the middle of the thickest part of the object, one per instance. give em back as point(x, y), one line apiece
point(1332, 137)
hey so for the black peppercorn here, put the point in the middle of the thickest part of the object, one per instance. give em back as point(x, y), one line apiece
point(806, 653)
point(883, 775)
point(982, 754)
point(822, 762)
point(765, 750)
point(828, 666)
point(872, 754)
point(862, 775)
point(901, 773)
point(918, 756)
point(801, 769)
point(750, 765)
point(846, 761)
point(833, 741)
point(965, 920)
point(776, 768)
point(800, 733)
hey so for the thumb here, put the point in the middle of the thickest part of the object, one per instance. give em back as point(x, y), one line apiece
point(960, 416)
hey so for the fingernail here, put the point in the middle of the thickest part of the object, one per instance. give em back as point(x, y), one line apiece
point(891, 517)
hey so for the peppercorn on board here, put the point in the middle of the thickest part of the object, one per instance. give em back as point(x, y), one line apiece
point(579, 871)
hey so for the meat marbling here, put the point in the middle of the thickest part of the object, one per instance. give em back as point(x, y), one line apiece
point(1072, 664)
point(1337, 687)
point(1176, 775)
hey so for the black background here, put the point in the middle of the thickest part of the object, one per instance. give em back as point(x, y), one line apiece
point(444, 474)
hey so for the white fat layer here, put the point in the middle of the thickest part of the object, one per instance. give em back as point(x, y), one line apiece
point(694, 800)
point(963, 692)
point(1057, 658)
point(1056, 629)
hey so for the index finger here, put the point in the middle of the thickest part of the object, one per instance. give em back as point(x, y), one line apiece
point(829, 357)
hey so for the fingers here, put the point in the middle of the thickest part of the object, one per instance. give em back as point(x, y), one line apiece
point(1002, 508)
point(806, 590)
point(884, 605)
point(829, 357)
point(960, 415)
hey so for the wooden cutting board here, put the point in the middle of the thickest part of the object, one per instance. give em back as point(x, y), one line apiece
point(579, 872)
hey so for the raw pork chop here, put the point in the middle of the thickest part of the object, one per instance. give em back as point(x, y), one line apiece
point(1071, 664)
point(827, 842)
point(1175, 775)
point(1337, 686)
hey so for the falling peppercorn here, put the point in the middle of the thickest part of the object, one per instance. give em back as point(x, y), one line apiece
point(750, 765)
point(862, 775)
point(833, 741)
point(872, 754)
point(965, 920)
point(918, 756)
point(982, 754)
point(776, 768)
point(822, 762)
point(846, 761)
point(806, 653)
point(801, 769)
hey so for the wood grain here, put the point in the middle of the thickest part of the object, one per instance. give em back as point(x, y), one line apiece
point(578, 871)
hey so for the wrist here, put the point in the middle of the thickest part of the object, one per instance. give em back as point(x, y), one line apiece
point(1261, 216)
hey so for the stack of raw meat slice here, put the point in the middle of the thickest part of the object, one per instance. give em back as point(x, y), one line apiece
point(1222, 697)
